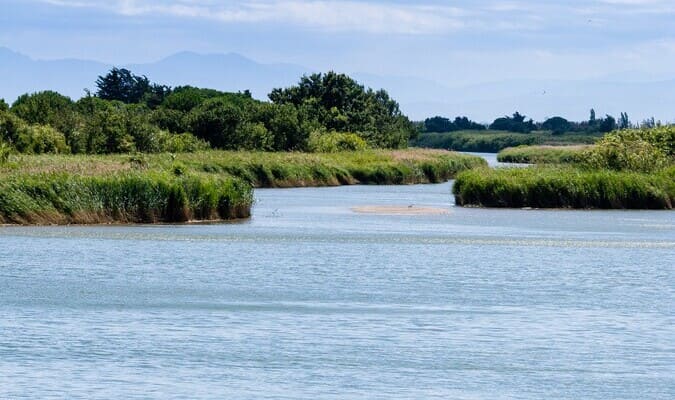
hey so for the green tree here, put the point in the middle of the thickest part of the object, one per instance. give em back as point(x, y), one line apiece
point(122, 85)
point(185, 98)
point(106, 126)
point(438, 125)
point(218, 121)
point(10, 125)
point(624, 122)
point(48, 108)
point(608, 124)
point(557, 125)
point(339, 103)
point(515, 123)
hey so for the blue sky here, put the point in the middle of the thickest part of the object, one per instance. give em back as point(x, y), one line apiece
point(453, 42)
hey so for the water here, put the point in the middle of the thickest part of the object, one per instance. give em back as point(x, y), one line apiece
point(309, 300)
point(491, 159)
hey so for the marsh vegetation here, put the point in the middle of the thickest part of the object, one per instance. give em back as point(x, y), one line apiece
point(625, 169)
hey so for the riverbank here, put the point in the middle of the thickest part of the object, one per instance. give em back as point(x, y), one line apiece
point(210, 185)
point(495, 141)
point(543, 154)
point(565, 187)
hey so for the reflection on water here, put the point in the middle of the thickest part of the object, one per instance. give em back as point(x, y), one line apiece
point(309, 299)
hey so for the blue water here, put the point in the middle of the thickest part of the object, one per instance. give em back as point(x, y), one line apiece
point(310, 300)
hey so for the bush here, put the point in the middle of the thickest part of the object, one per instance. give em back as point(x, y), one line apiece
point(642, 150)
point(5, 152)
point(335, 142)
point(180, 143)
point(39, 139)
point(47, 108)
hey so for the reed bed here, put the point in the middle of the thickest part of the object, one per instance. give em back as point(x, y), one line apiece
point(543, 154)
point(565, 187)
point(135, 197)
point(209, 185)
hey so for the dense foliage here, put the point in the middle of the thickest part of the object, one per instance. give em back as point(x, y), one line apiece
point(632, 168)
point(518, 123)
point(129, 113)
point(515, 123)
point(338, 103)
point(336, 142)
point(494, 141)
point(643, 150)
point(440, 125)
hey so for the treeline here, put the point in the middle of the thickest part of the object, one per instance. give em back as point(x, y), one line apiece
point(129, 113)
point(519, 123)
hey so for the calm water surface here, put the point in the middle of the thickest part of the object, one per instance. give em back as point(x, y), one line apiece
point(309, 300)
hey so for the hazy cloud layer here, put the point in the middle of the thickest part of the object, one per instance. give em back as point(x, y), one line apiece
point(430, 17)
point(454, 42)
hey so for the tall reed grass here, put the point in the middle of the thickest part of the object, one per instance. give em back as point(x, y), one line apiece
point(543, 154)
point(60, 189)
point(565, 187)
point(131, 197)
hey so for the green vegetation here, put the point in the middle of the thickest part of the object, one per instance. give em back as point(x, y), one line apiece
point(335, 142)
point(494, 141)
point(626, 169)
point(510, 131)
point(338, 103)
point(129, 114)
point(643, 150)
point(543, 154)
point(442, 125)
point(559, 187)
point(62, 189)
point(129, 197)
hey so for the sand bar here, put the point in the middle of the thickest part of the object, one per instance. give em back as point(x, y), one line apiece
point(400, 210)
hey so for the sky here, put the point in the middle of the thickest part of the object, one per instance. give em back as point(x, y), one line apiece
point(452, 42)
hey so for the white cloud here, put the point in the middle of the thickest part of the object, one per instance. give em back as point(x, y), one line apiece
point(318, 14)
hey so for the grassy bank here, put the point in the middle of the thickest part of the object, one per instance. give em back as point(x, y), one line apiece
point(210, 185)
point(543, 154)
point(130, 197)
point(565, 187)
point(494, 141)
point(260, 169)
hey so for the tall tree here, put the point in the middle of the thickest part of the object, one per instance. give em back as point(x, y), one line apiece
point(557, 125)
point(624, 122)
point(120, 84)
point(339, 103)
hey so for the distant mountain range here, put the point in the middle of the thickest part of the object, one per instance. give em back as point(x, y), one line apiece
point(640, 96)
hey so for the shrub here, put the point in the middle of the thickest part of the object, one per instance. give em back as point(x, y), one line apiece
point(642, 150)
point(5, 151)
point(335, 142)
point(39, 139)
point(47, 108)
point(180, 143)
point(10, 125)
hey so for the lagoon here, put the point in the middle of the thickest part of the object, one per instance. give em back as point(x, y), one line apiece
point(311, 300)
